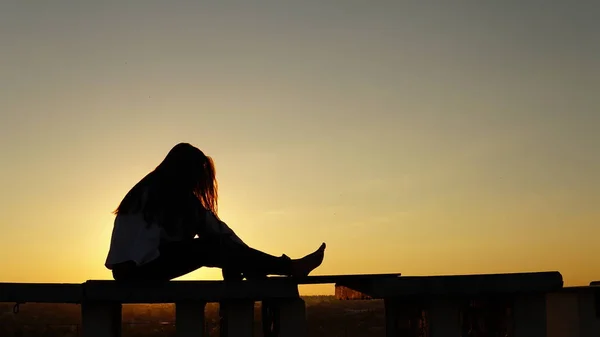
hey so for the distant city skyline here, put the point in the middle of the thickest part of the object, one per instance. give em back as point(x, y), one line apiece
point(417, 138)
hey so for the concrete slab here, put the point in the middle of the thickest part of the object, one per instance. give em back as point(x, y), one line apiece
point(40, 293)
point(450, 285)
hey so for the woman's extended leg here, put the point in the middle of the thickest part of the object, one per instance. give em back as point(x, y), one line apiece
point(180, 258)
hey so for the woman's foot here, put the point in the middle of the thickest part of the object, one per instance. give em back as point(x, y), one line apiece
point(303, 266)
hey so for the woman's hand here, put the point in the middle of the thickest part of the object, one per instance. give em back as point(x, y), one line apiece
point(231, 275)
point(254, 276)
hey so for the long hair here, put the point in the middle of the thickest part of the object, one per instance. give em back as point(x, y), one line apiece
point(171, 192)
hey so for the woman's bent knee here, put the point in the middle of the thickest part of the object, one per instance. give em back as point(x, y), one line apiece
point(123, 271)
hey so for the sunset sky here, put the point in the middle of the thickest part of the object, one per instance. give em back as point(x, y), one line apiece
point(411, 137)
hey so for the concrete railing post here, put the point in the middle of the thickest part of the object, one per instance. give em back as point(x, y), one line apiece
point(529, 313)
point(189, 319)
point(563, 315)
point(395, 316)
point(292, 318)
point(444, 318)
point(391, 317)
point(573, 313)
point(101, 319)
point(589, 312)
point(237, 318)
point(404, 318)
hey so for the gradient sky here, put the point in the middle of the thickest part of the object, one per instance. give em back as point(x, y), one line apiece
point(411, 137)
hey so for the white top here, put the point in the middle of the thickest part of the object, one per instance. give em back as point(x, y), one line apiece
point(133, 240)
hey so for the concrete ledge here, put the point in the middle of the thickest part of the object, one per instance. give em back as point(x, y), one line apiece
point(452, 285)
point(177, 291)
point(169, 292)
point(580, 289)
point(212, 291)
point(40, 292)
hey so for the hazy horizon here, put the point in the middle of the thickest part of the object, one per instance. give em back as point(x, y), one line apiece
point(417, 138)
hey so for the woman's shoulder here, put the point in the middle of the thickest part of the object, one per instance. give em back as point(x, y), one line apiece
point(132, 218)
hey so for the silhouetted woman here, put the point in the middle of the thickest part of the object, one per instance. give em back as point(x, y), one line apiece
point(154, 234)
